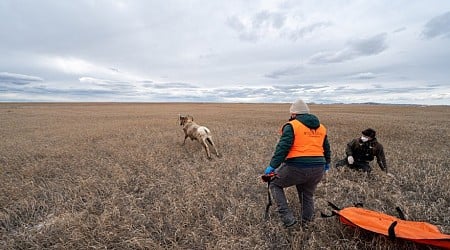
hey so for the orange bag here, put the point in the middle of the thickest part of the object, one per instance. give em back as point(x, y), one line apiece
point(417, 231)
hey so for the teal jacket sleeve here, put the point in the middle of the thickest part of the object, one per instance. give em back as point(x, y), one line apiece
point(283, 146)
point(327, 150)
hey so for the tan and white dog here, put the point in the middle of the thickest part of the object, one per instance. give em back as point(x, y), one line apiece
point(197, 132)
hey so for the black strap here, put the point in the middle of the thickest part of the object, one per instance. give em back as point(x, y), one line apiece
point(401, 215)
point(333, 213)
point(269, 202)
point(333, 206)
point(323, 215)
point(391, 230)
point(358, 204)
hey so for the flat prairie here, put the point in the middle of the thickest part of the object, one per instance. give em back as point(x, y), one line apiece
point(116, 176)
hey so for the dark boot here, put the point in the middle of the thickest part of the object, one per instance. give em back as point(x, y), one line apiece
point(288, 221)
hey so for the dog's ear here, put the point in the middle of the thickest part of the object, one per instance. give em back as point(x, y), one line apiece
point(181, 119)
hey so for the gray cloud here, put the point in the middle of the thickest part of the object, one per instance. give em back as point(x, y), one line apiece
point(266, 23)
point(318, 93)
point(370, 46)
point(266, 19)
point(245, 34)
point(298, 87)
point(106, 83)
point(284, 72)
point(364, 76)
point(258, 25)
point(399, 30)
point(9, 88)
point(438, 26)
point(243, 92)
point(375, 94)
point(303, 31)
point(18, 79)
point(30, 93)
point(170, 85)
point(77, 92)
point(357, 48)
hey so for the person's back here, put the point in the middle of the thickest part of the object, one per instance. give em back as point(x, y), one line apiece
point(299, 159)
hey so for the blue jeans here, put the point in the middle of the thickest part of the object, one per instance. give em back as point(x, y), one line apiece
point(305, 180)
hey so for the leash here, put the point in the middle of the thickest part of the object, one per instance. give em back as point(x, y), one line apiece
point(269, 202)
point(268, 178)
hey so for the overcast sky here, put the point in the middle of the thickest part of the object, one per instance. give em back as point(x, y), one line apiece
point(341, 51)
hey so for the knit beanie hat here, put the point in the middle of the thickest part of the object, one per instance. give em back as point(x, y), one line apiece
point(369, 132)
point(299, 107)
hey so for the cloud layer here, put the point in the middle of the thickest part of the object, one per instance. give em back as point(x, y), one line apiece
point(230, 51)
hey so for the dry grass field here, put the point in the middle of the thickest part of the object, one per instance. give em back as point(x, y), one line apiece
point(115, 176)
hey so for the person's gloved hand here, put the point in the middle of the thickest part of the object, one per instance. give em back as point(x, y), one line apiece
point(327, 167)
point(269, 170)
point(350, 160)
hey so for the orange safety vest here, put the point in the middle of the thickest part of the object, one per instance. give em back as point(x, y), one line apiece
point(307, 141)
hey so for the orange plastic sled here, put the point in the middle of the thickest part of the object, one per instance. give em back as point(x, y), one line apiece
point(417, 231)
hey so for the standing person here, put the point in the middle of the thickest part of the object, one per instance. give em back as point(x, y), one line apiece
point(301, 157)
point(361, 151)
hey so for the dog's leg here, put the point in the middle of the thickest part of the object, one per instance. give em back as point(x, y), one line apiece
point(214, 146)
point(206, 148)
point(185, 137)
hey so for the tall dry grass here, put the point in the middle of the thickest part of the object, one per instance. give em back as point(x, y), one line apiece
point(115, 176)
